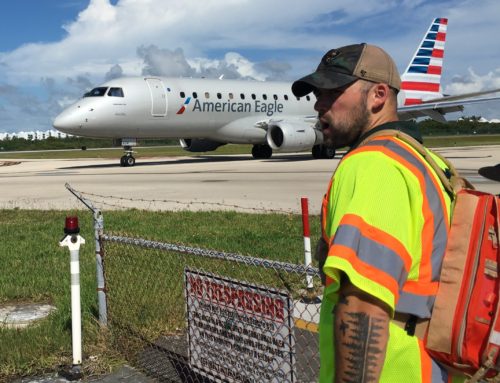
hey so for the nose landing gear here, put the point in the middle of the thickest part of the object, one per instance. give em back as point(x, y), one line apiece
point(128, 159)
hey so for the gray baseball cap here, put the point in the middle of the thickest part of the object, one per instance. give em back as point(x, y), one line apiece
point(342, 66)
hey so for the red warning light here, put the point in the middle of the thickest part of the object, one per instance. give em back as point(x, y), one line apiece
point(71, 226)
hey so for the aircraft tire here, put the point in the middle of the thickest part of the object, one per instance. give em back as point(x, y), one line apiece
point(317, 153)
point(327, 152)
point(130, 161)
point(262, 152)
point(256, 151)
point(123, 161)
point(267, 152)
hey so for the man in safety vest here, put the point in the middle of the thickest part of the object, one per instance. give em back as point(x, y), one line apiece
point(385, 220)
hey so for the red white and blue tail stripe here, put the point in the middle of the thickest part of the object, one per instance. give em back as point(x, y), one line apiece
point(422, 79)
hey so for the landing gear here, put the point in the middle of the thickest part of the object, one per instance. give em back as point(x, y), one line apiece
point(323, 152)
point(128, 159)
point(262, 152)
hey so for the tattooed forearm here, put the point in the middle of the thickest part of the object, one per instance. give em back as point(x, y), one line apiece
point(365, 347)
point(360, 343)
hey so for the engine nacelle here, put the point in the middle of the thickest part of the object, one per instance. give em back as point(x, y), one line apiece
point(290, 136)
point(199, 144)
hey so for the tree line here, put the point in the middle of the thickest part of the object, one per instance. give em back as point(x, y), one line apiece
point(464, 127)
point(51, 143)
point(427, 128)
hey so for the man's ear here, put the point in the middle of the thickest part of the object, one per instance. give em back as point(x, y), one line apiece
point(379, 94)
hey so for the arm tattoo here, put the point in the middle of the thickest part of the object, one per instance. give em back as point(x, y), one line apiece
point(343, 327)
point(343, 300)
point(364, 346)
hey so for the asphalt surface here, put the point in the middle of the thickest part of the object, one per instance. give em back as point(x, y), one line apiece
point(124, 374)
point(198, 183)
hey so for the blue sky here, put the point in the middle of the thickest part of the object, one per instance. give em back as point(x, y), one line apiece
point(52, 51)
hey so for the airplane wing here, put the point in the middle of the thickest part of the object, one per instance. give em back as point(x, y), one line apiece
point(463, 96)
point(307, 120)
point(437, 108)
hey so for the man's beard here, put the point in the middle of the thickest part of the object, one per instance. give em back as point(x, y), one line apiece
point(346, 133)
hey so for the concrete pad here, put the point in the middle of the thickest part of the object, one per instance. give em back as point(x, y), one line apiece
point(21, 315)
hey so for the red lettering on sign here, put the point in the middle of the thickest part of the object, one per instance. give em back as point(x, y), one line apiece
point(248, 301)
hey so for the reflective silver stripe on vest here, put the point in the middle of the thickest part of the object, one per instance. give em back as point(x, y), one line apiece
point(438, 374)
point(420, 305)
point(440, 221)
point(372, 253)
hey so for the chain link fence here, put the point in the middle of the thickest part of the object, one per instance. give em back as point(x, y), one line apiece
point(186, 314)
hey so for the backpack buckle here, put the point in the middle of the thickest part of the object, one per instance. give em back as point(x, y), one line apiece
point(411, 324)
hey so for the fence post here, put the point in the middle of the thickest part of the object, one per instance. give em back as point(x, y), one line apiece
point(73, 241)
point(307, 238)
point(99, 253)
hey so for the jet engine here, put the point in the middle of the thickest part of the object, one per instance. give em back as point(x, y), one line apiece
point(290, 136)
point(199, 144)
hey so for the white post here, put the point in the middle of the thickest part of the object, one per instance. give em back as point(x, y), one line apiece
point(73, 241)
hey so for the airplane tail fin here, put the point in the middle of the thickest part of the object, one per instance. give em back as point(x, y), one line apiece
point(421, 81)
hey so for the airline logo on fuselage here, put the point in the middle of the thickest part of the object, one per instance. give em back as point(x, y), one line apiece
point(257, 106)
point(183, 107)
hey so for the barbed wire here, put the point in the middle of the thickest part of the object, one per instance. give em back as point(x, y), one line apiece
point(109, 204)
point(234, 257)
point(182, 203)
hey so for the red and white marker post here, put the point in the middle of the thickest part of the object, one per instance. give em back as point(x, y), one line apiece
point(307, 238)
point(73, 241)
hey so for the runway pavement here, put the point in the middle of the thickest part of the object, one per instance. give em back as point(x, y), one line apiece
point(206, 182)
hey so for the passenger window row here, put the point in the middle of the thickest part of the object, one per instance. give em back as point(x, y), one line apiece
point(118, 92)
point(242, 96)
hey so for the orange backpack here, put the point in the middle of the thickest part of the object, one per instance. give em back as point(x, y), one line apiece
point(464, 330)
point(463, 333)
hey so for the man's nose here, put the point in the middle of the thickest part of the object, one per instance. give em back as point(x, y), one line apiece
point(319, 105)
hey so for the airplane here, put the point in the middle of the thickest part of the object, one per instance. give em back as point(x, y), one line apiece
point(207, 113)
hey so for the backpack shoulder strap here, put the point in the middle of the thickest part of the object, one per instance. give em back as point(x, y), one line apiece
point(452, 184)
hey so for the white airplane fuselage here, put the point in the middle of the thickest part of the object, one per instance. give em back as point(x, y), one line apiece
point(159, 107)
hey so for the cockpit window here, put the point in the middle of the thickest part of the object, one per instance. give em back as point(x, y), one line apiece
point(96, 92)
point(115, 92)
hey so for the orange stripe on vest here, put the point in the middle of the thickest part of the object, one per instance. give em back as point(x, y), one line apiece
point(366, 270)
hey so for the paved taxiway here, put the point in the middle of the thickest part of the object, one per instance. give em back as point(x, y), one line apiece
point(206, 182)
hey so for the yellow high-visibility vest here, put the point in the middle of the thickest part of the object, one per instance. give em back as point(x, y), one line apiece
point(386, 218)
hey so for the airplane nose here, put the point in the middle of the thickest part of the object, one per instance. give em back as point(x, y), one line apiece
point(67, 122)
point(59, 122)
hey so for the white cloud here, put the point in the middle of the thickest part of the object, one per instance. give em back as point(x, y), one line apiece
point(115, 71)
point(164, 62)
point(472, 82)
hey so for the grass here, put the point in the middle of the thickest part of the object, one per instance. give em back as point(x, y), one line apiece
point(35, 269)
point(469, 140)
point(141, 152)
